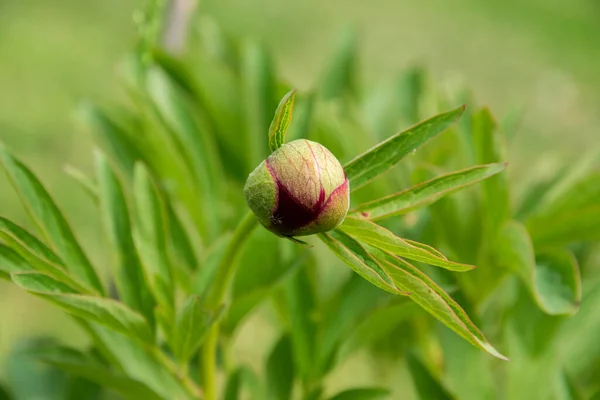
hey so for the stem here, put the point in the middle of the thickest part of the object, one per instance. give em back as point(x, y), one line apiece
point(219, 289)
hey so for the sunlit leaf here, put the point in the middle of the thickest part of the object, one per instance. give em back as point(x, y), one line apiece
point(426, 193)
point(356, 257)
point(108, 312)
point(281, 121)
point(49, 219)
point(434, 300)
point(386, 154)
point(377, 236)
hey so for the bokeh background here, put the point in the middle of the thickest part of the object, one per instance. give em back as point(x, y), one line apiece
point(535, 58)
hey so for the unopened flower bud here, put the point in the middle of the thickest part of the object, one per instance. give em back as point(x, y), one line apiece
point(301, 189)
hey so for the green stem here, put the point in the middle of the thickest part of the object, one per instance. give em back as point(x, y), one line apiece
point(219, 289)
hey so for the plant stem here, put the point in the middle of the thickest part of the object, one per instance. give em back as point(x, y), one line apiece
point(219, 289)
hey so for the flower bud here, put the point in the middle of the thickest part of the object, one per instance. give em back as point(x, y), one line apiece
point(301, 189)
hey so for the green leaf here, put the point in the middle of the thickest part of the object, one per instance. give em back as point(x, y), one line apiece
point(112, 136)
point(340, 77)
point(194, 141)
point(4, 394)
point(281, 121)
point(241, 384)
point(426, 293)
point(489, 148)
point(127, 270)
point(11, 261)
point(362, 394)
point(79, 364)
point(258, 88)
point(150, 237)
point(568, 228)
point(280, 370)
point(180, 243)
point(87, 184)
point(428, 386)
point(377, 236)
point(552, 278)
point(151, 368)
point(388, 153)
point(48, 217)
point(356, 257)
point(376, 325)
point(426, 193)
point(34, 252)
point(191, 326)
point(108, 312)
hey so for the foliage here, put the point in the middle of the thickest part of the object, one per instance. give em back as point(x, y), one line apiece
point(168, 186)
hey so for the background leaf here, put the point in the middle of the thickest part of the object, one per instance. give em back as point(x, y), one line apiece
point(280, 370)
point(428, 386)
point(362, 394)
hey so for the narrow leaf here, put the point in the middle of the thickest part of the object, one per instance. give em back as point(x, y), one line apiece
point(428, 386)
point(281, 121)
point(489, 148)
point(87, 184)
point(280, 370)
point(375, 235)
point(108, 312)
point(192, 324)
point(11, 261)
point(40, 257)
point(127, 270)
point(363, 394)
point(78, 364)
point(340, 77)
point(426, 293)
point(356, 257)
point(150, 237)
point(50, 220)
point(553, 278)
point(388, 153)
point(426, 193)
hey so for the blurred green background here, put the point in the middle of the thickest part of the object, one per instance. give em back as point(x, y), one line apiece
point(538, 56)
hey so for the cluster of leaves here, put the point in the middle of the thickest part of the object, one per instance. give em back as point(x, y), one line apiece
point(168, 186)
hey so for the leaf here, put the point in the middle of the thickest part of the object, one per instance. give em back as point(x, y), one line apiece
point(386, 154)
point(281, 121)
point(79, 364)
point(426, 193)
point(280, 370)
point(4, 394)
point(377, 236)
point(340, 77)
point(179, 241)
point(428, 386)
point(489, 148)
point(48, 217)
point(194, 140)
point(112, 136)
point(87, 184)
point(258, 89)
point(240, 379)
point(11, 261)
point(34, 252)
point(108, 312)
point(426, 293)
point(553, 278)
point(150, 237)
point(127, 270)
point(362, 394)
point(191, 326)
point(151, 368)
point(356, 257)
point(376, 325)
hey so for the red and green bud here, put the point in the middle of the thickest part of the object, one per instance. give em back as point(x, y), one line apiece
point(301, 189)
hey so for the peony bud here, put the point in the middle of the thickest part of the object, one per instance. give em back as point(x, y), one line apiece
point(301, 189)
